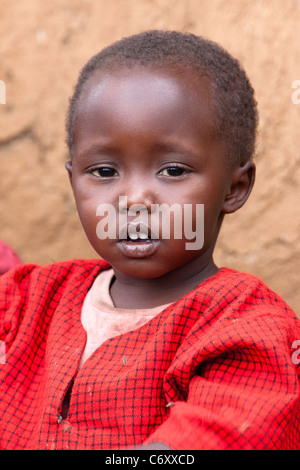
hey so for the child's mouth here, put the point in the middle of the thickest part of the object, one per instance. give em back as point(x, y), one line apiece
point(138, 248)
point(138, 244)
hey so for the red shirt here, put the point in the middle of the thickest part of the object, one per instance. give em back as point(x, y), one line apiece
point(212, 371)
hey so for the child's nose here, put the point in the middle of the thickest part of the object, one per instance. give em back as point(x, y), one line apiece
point(137, 193)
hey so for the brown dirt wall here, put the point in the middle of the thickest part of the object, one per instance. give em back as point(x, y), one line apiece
point(43, 46)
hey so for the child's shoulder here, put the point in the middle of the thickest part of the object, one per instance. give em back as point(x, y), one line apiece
point(31, 289)
point(240, 282)
point(71, 265)
point(237, 279)
point(242, 292)
point(61, 272)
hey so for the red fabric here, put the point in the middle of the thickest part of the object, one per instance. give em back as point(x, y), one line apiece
point(212, 371)
point(8, 258)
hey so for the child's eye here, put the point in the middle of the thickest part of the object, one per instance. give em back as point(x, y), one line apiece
point(103, 172)
point(173, 171)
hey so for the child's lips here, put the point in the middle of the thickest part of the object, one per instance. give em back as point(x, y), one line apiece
point(138, 248)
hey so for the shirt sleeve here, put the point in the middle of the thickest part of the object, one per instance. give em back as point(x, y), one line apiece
point(14, 287)
point(242, 388)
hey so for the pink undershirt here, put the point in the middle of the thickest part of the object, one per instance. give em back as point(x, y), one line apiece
point(102, 320)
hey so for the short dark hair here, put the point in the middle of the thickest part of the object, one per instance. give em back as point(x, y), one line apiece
point(233, 96)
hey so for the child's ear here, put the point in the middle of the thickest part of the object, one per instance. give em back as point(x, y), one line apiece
point(68, 166)
point(242, 181)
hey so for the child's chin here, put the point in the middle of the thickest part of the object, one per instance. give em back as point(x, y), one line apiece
point(141, 268)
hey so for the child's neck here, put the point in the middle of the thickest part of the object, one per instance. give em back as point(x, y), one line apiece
point(132, 293)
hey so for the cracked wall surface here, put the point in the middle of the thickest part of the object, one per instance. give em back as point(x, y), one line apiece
point(44, 45)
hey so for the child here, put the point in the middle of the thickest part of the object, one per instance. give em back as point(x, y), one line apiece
point(155, 347)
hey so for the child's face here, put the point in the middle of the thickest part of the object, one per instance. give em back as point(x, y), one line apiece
point(148, 135)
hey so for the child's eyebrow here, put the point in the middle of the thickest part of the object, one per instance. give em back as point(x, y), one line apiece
point(159, 147)
point(176, 148)
point(96, 148)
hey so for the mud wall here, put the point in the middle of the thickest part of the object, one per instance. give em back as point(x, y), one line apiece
point(45, 43)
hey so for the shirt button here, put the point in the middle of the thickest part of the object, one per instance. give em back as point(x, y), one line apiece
point(59, 420)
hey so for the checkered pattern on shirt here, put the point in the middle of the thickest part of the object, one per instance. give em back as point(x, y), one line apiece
point(212, 371)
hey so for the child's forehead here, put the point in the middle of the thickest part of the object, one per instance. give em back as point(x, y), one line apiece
point(160, 75)
point(149, 90)
point(146, 108)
